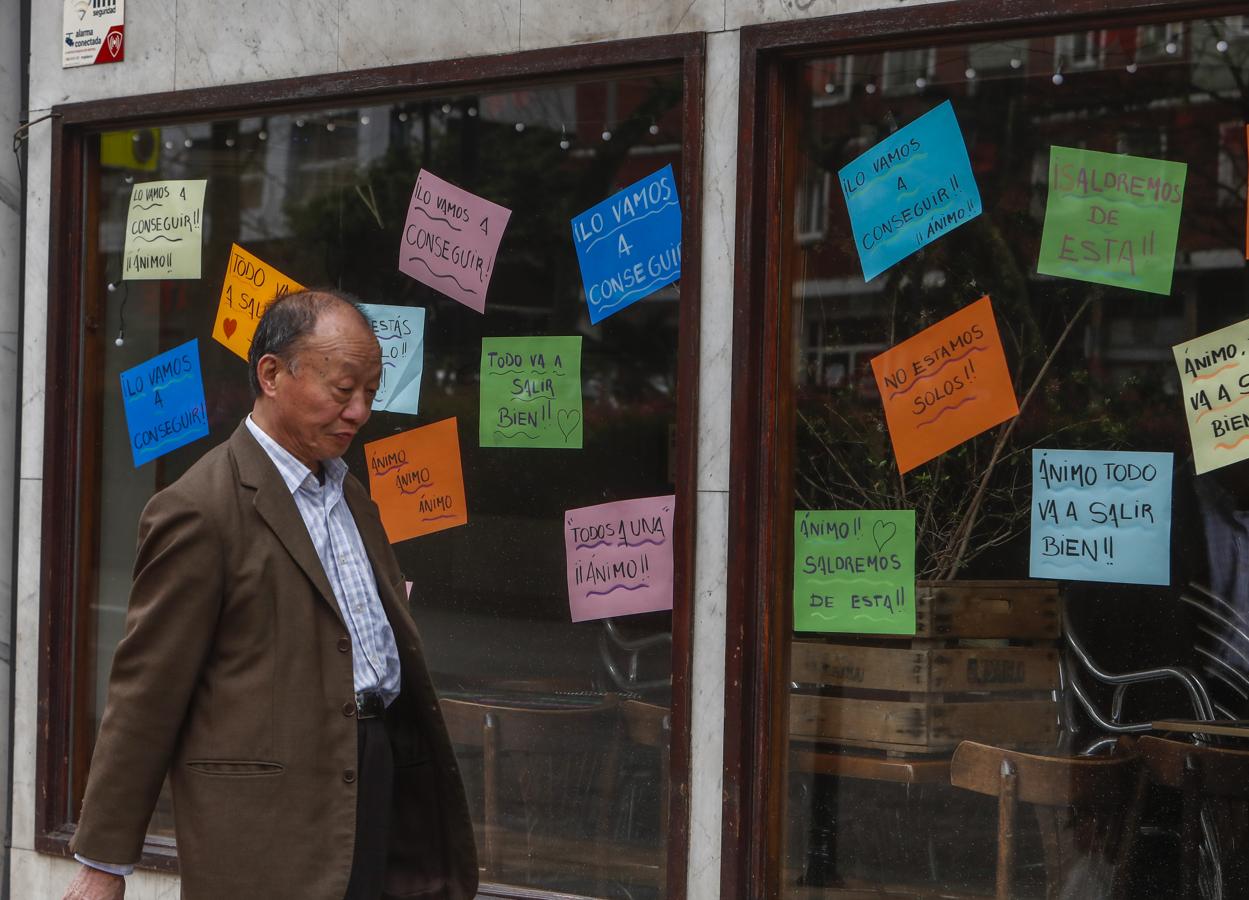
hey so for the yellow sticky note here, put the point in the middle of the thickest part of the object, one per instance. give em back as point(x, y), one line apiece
point(250, 286)
point(164, 228)
point(1214, 379)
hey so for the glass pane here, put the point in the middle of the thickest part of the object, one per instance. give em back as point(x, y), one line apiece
point(321, 195)
point(877, 797)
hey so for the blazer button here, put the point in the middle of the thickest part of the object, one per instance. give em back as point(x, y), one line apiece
point(349, 708)
point(349, 775)
point(344, 644)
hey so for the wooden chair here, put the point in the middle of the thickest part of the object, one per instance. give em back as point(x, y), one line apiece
point(1213, 779)
point(547, 789)
point(1087, 808)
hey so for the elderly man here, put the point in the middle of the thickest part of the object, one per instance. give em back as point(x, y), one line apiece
point(270, 664)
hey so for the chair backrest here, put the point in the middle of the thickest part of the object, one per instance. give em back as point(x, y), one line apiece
point(1224, 772)
point(1074, 781)
point(1087, 808)
point(547, 782)
point(1201, 774)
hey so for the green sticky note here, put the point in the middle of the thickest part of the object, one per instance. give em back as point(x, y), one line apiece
point(854, 571)
point(1112, 219)
point(531, 392)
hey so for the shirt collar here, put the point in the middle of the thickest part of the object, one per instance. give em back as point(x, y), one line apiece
point(294, 473)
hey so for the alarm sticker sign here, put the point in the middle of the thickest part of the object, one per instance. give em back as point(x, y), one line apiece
point(92, 32)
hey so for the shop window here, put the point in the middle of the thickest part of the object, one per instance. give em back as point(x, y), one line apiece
point(812, 208)
point(1081, 50)
point(995, 58)
point(320, 193)
point(1232, 169)
point(832, 82)
point(1158, 42)
point(907, 71)
point(885, 754)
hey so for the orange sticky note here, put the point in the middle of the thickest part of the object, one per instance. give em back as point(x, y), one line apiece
point(416, 480)
point(249, 287)
point(944, 385)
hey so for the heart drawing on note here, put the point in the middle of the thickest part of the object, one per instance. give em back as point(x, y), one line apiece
point(229, 326)
point(883, 533)
point(568, 420)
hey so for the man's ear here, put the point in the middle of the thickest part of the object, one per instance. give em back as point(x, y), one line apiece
point(267, 369)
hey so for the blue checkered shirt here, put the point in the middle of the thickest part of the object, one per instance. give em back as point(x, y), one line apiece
point(374, 655)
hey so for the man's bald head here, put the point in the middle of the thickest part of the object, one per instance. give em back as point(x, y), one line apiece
point(290, 320)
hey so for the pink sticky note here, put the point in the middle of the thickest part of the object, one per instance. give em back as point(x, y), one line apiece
point(451, 239)
point(619, 557)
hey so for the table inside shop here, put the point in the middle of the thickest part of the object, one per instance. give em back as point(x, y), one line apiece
point(1235, 728)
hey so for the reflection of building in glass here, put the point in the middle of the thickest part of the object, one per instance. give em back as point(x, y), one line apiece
point(1014, 100)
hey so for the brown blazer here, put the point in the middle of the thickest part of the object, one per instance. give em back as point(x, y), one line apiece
point(235, 677)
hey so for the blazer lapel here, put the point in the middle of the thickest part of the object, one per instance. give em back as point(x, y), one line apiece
point(277, 507)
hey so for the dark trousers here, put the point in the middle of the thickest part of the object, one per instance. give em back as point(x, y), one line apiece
point(375, 768)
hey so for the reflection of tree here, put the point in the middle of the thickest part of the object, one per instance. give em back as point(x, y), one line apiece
point(355, 226)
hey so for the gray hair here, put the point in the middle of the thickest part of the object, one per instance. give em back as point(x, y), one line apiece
point(289, 320)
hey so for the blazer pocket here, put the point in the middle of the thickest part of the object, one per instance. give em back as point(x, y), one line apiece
point(235, 768)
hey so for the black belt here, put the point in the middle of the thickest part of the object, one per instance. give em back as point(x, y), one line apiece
point(370, 705)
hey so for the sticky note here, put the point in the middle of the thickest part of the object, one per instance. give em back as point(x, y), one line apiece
point(531, 392)
point(1112, 219)
point(164, 402)
point(619, 557)
point(451, 240)
point(164, 230)
point(401, 332)
point(945, 385)
point(250, 285)
point(1214, 381)
point(854, 571)
point(910, 189)
point(629, 245)
point(1101, 515)
point(416, 480)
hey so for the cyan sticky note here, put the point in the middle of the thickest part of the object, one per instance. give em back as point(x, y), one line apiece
point(629, 246)
point(909, 190)
point(1101, 515)
point(164, 402)
point(400, 331)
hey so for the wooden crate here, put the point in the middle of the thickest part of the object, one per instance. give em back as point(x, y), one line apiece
point(925, 670)
point(1019, 610)
point(983, 665)
point(928, 725)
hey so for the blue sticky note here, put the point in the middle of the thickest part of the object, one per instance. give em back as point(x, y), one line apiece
point(1100, 515)
point(164, 402)
point(909, 190)
point(629, 246)
point(401, 332)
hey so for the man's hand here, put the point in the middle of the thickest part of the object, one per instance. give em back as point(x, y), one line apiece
point(94, 884)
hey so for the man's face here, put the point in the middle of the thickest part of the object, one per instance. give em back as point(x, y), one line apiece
point(325, 397)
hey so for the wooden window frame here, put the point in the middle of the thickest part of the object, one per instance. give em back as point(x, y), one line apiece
point(74, 328)
point(757, 651)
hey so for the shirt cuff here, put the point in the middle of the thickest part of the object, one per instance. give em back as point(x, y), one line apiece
point(110, 868)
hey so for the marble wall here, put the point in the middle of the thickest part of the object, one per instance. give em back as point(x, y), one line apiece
point(177, 46)
point(10, 270)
